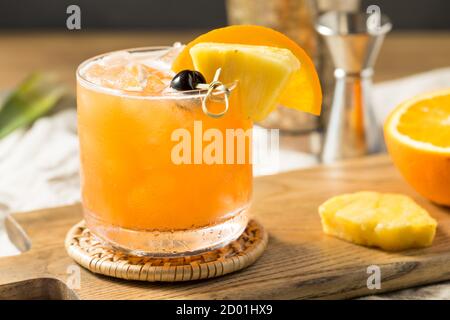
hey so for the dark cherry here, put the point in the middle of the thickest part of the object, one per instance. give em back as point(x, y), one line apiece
point(187, 80)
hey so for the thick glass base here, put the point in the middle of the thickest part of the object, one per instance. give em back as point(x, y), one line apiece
point(168, 243)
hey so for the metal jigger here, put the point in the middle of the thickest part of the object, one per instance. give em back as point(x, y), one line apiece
point(354, 40)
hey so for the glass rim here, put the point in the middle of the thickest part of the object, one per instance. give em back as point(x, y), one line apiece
point(175, 95)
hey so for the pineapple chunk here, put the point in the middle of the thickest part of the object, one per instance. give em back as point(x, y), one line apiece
point(389, 221)
point(262, 72)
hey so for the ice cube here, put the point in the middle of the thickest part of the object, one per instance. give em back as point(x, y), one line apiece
point(136, 75)
point(116, 59)
point(164, 61)
point(95, 73)
point(129, 77)
point(149, 73)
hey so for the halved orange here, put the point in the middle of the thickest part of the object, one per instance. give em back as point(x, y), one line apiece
point(417, 135)
point(303, 91)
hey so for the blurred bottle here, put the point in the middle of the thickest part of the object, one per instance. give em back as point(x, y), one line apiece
point(339, 5)
point(296, 19)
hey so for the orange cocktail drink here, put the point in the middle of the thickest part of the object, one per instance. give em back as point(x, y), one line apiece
point(165, 135)
point(148, 185)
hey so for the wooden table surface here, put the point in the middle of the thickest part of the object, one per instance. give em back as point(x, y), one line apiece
point(22, 52)
point(300, 261)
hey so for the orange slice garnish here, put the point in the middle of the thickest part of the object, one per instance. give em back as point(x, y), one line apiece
point(302, 92)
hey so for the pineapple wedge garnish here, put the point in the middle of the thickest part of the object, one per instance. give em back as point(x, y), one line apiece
point(262, 72)
point(389, 221)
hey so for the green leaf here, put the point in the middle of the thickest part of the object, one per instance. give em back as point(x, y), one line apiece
point(34, 97)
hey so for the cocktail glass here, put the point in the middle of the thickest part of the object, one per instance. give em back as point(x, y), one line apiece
point(136, 195)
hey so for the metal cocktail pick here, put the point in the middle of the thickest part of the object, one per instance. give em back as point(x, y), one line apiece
point(354, 40)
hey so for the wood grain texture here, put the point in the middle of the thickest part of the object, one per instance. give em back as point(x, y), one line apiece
point(300, 261)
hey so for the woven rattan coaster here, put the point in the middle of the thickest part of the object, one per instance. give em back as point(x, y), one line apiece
point(92, 254)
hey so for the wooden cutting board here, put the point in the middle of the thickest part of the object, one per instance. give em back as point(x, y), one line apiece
point(300, 261)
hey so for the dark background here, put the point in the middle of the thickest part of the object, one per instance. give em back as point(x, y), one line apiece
point(176, 14)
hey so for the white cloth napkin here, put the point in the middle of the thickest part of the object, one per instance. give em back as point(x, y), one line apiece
point(39, 166)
